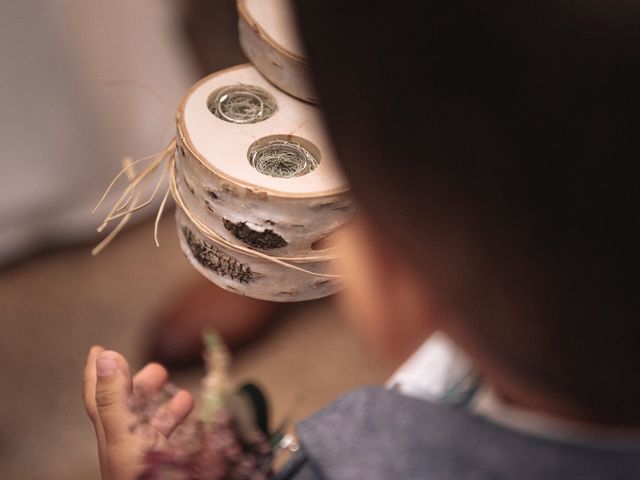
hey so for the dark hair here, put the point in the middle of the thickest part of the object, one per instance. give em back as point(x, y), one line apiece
point(494, 141)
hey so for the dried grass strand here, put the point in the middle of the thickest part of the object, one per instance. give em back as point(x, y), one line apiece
point(120, 173)
point(128, 167)
point(142, 205)
point(140, 178)
point(159, 216)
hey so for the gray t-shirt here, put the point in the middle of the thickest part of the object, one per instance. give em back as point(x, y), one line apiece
point(376, 434)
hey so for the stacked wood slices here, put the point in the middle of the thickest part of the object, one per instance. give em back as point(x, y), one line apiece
point(255, 179)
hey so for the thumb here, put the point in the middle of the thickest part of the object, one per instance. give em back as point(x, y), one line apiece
point(113, 389)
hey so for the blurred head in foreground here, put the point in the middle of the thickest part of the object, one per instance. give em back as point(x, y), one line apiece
point(490, 145)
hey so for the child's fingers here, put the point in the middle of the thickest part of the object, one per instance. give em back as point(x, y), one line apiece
point(89, 382)
point(151, 378)
point(169, 415)
point(113, 390)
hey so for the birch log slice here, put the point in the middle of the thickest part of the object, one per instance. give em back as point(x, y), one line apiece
point(251, 276)
point(269, 37)
point(219, 183)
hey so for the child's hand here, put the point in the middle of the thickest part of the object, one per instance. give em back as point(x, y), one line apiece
point(108, 388)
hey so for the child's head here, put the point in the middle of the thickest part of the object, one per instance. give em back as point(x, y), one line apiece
point(490, 144)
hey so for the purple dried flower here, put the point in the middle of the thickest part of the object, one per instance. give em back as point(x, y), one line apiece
point(217, 444)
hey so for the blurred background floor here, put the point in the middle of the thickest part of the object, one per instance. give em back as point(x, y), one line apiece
point(54, 306)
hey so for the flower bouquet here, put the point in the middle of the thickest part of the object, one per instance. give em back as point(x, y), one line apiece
point(227, 439)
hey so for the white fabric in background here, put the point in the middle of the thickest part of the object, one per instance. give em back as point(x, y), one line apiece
point(63, 130)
